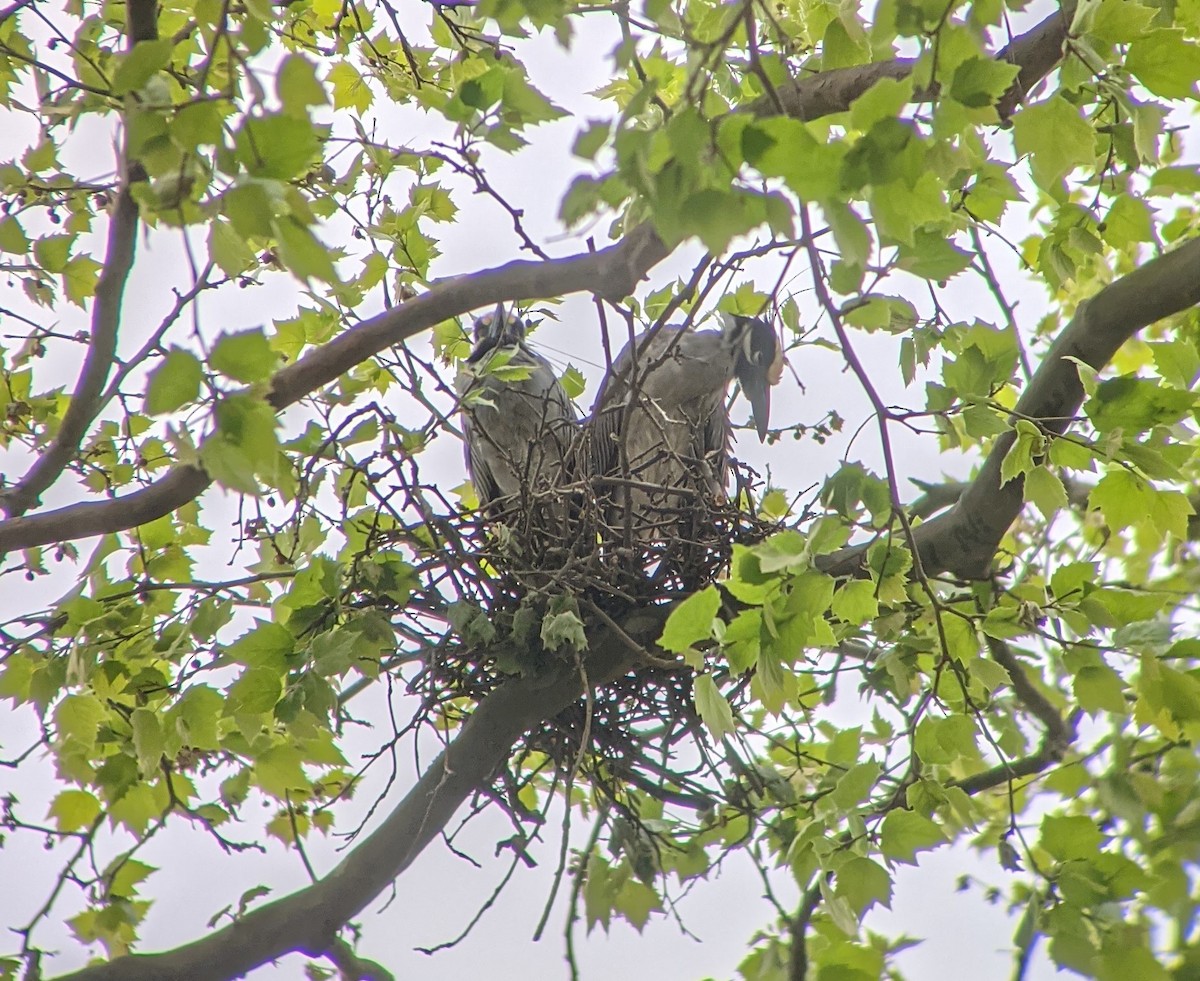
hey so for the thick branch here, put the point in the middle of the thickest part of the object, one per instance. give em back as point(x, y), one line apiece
point(102, 348)
point(612, 273)
point(964, 539)
point(308, 920)
point(1037, 52)
point(141, 25)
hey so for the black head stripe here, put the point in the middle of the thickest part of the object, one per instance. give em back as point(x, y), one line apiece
point(763, 342)
point(754, 340)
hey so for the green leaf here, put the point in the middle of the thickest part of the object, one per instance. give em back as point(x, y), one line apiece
point(148, 741)
point(1115, 21)
point(80, 276)
point(1069, 837)
point(12, 237)
point(635, 901)
point(573, 382)
point(228, 249)
point(1028, 445)
point(784, 550)
point(1045, 490)
point(855, 602)
point(1099, 688)
point(904, 833)
point(74, 809)
point(198, 124)
point(1169, 513)
point(140, 805)
point(933, 256)
point(691, 621)
point(350, 90)
point(302, 253)
point(787, 148)
point(124, 878)
point(1177, 361)
point(276, 146)
point(980, 82)
point(245, 356)
point(882, 101)
point(1122, 497)
point(279, 772)
point(174, 383)
point(1057, 138)
point(855, 785)
point(197, 713)
point(78, 717)
point(256, 691)
point(1134, 405)
point(250, 207)
point(590, 140)
point(1166, 63)
point(713, 708)
point(563, 628)
point(53, 251)
point(863, 883)
point(137, 67)
point(229, 464)
point(297, 86)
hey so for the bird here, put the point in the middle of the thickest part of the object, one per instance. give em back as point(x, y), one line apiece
point(520, 428)
point(659, 433)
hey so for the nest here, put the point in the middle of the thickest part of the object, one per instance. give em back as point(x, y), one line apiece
point(499, 578)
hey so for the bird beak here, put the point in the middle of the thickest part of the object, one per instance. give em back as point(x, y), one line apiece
point(758, 391)
point(494, 331)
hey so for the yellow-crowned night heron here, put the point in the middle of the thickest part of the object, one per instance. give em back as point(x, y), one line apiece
point(519, 427)
point(660, 429)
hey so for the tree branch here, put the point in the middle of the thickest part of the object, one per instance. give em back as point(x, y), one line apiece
point(86, 401)
point(102, 348)
point(309, 919)
point(1037, 52)
point(611, 273)
point(964, 539)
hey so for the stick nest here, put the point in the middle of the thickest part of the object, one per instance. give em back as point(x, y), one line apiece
point(518, 584)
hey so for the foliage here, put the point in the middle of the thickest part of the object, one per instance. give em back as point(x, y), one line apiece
point(1012, 652)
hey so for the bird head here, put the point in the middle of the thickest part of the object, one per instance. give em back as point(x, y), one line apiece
point(758, 363)
point(497, 329)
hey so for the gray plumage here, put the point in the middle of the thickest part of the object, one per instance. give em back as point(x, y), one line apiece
point(519, 427)
point(660, 430)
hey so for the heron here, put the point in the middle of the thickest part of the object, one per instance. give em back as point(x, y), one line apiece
point(660, 429)
point(519, 425)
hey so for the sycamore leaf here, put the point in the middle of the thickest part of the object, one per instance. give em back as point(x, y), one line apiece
point(712, 706)
point(691, 621)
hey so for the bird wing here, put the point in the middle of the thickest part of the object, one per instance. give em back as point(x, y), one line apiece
point(478, 467)
point(713, 442)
